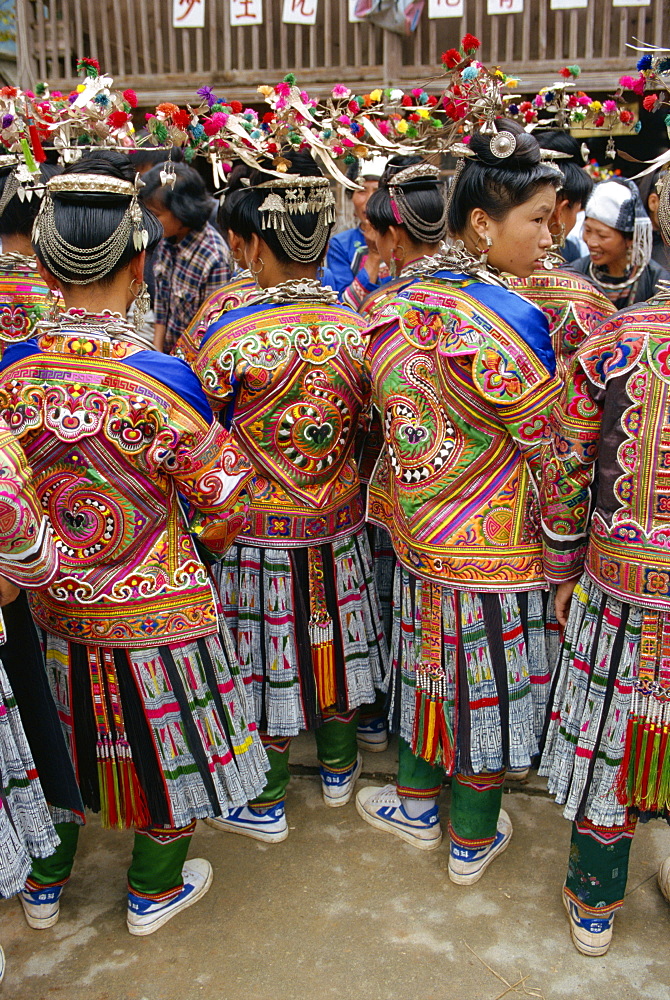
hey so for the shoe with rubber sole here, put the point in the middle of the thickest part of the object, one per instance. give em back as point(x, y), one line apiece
point(268, 825)
point(373, 735)
point(338, 786)
point(145, 915)
point(383, 809)
point(41, 907)
point(664, 878)
point(591, 936)
point(467, 865)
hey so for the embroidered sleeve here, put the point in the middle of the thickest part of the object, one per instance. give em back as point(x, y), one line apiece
point(28, 555)
point(522, 392)
point(569, 466)
point(209, 470)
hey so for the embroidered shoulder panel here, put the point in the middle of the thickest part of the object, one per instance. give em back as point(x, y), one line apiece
point(231, 296)
point(23, 302)
point(464, 403)
point(110, 448)
point(296, 381)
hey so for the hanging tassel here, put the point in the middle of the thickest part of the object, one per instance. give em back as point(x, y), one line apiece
point(28, 156)
point(321, 633)
point(38, 151)
point(621, 785)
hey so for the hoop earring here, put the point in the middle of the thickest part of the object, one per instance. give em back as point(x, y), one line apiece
point(142, 304)
point(258, 270)
point(559, 238)
point(483, 254)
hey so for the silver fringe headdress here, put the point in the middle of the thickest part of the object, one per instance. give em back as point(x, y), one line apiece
point(95, 262)
point(296, 195)
point(418, 228)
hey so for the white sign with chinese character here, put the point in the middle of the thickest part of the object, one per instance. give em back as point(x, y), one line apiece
point(353, 16)
point(446, 8)
point(504, 6)
point(246, 12)
point(188, 13)
point(631, 3)
point(568, 4)
point(299, 11)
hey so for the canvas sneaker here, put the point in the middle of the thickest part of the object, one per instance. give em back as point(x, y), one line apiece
point(41, 907)
point(372, 735)
point(338, 786)
point(270, 825)
point(383, 809)
point(467, 865)
point(146, 915)
point(590, 935)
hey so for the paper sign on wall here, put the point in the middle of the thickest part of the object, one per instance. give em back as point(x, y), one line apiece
point(353, 17)
point(631, 3)
point(568, 4)
point(504, 6)
point(246, 12)
point(188, 13)
point(299, 11)
point(446, 8)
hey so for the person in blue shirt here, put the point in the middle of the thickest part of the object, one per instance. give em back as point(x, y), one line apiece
point(353, 259)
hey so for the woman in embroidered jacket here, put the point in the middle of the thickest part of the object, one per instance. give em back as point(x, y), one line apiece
point(288, 369)
point(463, 375)
point(119, 438)
point(606, 753)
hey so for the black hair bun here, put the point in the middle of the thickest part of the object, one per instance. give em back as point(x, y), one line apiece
point(525, 155)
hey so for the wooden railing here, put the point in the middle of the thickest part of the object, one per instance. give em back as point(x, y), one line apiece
point(135, 43)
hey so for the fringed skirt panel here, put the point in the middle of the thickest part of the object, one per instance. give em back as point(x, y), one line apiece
point(158, 737)
point(591, 706)
point(469, 673)
point(271, 599)
point(25, 824)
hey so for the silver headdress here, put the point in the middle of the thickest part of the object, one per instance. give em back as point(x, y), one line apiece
point(21, 181)
point(95, 262)
point(418, 228)
point(296, 195)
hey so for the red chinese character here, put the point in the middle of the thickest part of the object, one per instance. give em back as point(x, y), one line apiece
point(299, 5)
point(189, 4)
point(245, 13)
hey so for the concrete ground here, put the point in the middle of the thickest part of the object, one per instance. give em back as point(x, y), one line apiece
point(342, 910)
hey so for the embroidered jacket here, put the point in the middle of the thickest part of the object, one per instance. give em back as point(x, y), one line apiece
point(463, 376)
point(115, 436)
point(293, 380)
point(573, 307)
point(614, 410)
point(28, 555)
point(231, 296)
point(23, 299)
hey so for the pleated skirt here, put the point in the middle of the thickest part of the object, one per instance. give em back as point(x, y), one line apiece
point(266, 594)
point(158, 737)
point(591, 706)
point(469, 674)
point(26, 828)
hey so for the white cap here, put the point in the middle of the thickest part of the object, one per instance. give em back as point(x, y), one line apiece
point(371, 170)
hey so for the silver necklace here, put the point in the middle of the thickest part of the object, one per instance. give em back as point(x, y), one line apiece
point(12, 260)
point(295, 290)
point(454, 257)
point(107, 324)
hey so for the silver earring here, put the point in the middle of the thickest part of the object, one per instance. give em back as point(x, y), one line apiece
point(142, 305)
point(484, 254)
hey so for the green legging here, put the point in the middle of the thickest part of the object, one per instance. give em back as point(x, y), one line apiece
point(475, 800)
point(155, 869)
point(598, 866)
point(336, 747)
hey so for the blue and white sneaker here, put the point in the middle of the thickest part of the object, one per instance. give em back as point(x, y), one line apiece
point(383, 809)
point(590, 935)
point(338, 786)
point(268, 825)
point(467, 865)
point(41, 907)
point(146, 915)
point(2, 965)
point(373, 735)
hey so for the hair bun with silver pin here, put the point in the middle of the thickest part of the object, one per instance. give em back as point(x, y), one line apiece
point(503, 144)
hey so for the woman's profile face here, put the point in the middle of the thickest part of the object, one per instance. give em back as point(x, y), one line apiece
point(522, 238)
point(607, 246)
